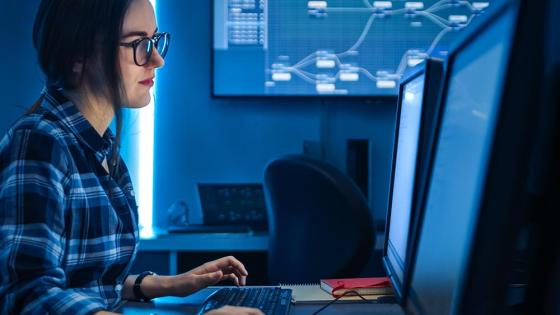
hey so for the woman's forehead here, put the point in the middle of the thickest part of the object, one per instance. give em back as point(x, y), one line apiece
point(139, 18)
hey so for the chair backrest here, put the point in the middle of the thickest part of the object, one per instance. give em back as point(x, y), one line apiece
point(320, 224)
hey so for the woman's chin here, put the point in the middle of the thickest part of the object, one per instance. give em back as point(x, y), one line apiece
point(140, 103)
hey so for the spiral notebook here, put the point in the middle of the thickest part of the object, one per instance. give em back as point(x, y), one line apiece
point(312, 293)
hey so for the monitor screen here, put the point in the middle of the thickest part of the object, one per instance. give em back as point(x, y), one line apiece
point(405, 157)
point(327, 48)
point(470, 109)
point(233, 204)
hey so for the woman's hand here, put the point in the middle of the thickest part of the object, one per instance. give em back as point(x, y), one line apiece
point(189, 282)
point(208, 274)
point(235, 310)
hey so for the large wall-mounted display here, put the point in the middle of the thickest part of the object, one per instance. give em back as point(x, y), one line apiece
point(328, 47)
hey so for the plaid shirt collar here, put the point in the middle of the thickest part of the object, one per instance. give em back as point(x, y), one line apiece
point(59, 107)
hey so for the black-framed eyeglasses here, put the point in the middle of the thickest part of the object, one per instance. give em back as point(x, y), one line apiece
point(144, 47)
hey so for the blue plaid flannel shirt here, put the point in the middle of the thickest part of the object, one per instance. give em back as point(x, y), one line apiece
point(68, 230)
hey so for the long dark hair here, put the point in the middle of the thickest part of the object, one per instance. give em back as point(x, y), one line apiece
point(85, 32)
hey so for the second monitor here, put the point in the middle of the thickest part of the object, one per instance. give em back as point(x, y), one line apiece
point(418, 108)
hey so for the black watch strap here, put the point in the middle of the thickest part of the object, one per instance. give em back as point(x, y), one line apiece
point(136, 287)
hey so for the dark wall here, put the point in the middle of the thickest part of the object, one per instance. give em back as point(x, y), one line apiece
point(20, 79)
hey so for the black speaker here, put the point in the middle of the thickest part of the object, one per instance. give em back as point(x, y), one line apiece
point(357, 163)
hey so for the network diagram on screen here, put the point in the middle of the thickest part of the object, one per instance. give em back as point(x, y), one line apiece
point(328, 47)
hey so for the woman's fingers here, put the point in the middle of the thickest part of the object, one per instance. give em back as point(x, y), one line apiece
point(233, 278)
point(228, 265)
point(228, 261)
point(210, 273)
point(224, 263)
point(240, 278)
point(235, 310)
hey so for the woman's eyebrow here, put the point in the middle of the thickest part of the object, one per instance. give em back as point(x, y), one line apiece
point(137, 33)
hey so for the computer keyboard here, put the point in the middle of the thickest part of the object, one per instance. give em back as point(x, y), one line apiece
point(270, 300)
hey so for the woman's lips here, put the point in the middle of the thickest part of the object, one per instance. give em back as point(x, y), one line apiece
point(147, 82)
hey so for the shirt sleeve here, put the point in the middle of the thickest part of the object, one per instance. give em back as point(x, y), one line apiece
point(32, 241)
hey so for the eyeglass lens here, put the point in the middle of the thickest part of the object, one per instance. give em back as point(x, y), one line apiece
point(162, 44)
point(145, 47)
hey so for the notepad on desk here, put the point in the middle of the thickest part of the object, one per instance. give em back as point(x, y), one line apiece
point(363, 286)
point(312, 294)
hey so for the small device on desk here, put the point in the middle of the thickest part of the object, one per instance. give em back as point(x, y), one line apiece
point(229, 208)
point(270, 300)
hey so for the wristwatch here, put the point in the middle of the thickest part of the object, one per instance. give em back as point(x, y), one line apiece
point(136, 287)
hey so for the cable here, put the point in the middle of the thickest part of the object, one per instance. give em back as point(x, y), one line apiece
point(351, 292)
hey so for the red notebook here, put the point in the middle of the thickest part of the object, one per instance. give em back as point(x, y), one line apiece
point(364, 286)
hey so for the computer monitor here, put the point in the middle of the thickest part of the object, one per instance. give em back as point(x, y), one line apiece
point(404, 167)
point(474, 204)
point(417, 106)
point(233, 204)
point(514, 181)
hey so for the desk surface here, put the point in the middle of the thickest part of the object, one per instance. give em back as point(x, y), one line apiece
point(190, 304)
point(206, 242)
point(214, 242)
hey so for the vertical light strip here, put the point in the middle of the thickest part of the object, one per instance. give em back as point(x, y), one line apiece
point(146, 164)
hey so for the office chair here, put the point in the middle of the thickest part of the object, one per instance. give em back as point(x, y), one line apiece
point(320, 224)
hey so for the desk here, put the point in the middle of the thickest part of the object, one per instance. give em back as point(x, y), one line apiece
point(190, 304)
point(211, 242)
point(203, 242)
point(215, 242)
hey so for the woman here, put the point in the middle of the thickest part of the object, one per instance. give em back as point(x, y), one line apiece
point(68, 218)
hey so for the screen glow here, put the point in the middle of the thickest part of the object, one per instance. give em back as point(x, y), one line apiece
point(146, 163)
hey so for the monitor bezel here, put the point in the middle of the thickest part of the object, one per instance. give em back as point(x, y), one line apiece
point(433, 91)
point(389, 268)
point(433, 71)
point(542, 294)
